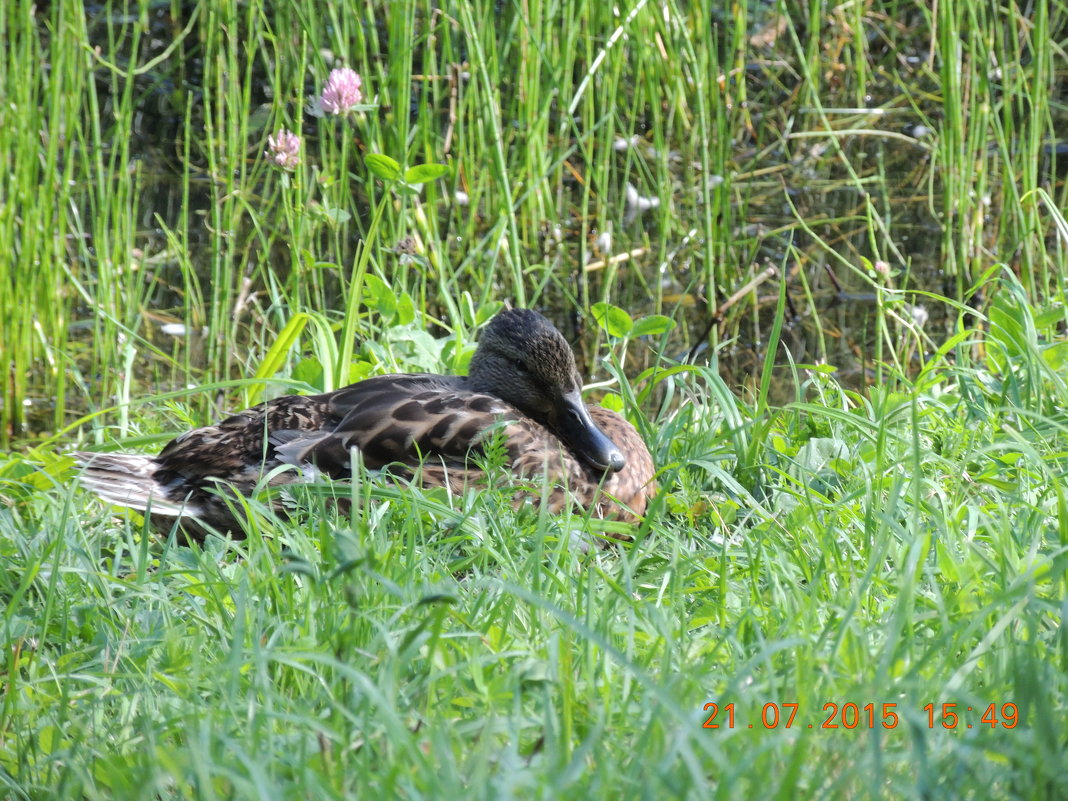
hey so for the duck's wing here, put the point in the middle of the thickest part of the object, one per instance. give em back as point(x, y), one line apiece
point(395, 420)
point(184, 479)
point(389, 419)
point(238, 449)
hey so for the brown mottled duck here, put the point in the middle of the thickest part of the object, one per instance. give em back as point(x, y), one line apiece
point(523, 383)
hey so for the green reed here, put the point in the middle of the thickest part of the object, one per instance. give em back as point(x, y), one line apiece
point(546, 115)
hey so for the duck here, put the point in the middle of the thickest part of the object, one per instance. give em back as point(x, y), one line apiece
point(523, 389)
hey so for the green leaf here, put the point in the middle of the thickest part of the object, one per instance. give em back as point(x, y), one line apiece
point(612, 402)
point(652, 325)
point(1048, 318)
point(456, 356)
point(358, 371)
point(425, 173)
point(613, 319)
point(405, 309)
point(487, 310)
point(373, 286)
point(383, 166)
point(379, 296)
point(310, 371)
point(1056, 356)
point(337, 216)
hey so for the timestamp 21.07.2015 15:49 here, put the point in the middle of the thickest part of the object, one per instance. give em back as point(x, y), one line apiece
point(864, 716)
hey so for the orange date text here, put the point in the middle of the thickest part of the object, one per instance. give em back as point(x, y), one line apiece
point(850, 715)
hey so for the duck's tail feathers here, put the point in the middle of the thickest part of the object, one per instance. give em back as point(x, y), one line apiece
point(128, 479)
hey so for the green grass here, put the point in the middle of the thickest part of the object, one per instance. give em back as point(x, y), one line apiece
point(891, 532)
point(904, 548)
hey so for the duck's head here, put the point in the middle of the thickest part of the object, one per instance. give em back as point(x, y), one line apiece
point(524, 360)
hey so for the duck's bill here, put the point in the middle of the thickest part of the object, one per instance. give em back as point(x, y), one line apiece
point(579, 431)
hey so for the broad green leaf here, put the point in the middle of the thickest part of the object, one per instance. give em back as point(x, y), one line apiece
point(405, 309)
point(1048, 318)
point(652, 325)
point(612, 402)
point(613, 319)
point(1056, 356)
point(383, 166)
point(425, 173)
point(487, 310)
point(380, 296)
point(456, 356)
point(358, 371)
point(335, 216)
point(310, 371)
point(373, 287)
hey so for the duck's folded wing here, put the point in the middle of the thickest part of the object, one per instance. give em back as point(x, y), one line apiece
point(237, 449)
point(395, 419)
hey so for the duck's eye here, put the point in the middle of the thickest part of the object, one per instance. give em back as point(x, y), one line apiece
point(519, 365)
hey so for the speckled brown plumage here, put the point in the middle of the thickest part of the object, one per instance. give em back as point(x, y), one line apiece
point(429, 428)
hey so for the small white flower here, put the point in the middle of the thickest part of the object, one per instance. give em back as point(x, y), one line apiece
point(636, 204)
